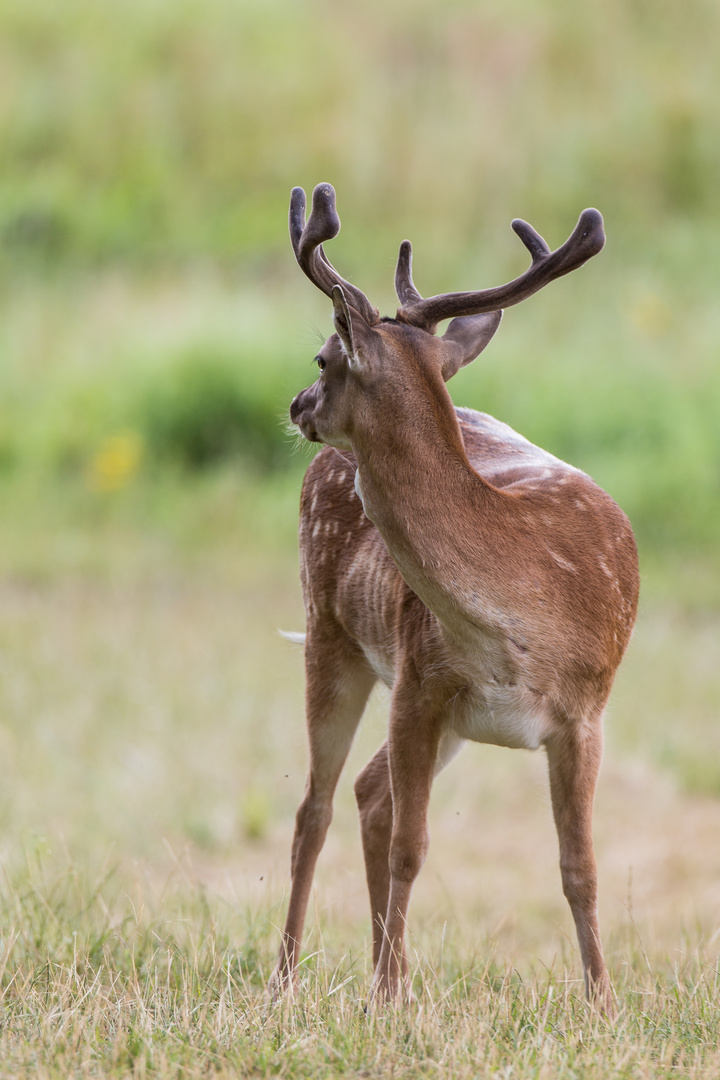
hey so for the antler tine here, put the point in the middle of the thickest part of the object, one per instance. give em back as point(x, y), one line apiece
point(586, 240)
point(532, 240)
point(307, 240)
point(404, 286)
point(296, 218)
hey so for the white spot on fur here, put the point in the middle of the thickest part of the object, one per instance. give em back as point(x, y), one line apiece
point(604, 567)
point(564, 563)
point(609, 573)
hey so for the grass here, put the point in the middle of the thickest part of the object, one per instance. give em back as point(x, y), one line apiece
point(114, 975)
point(154, 756)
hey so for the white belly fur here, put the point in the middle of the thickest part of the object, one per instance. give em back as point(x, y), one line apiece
point(503, 716)
point(500, 715)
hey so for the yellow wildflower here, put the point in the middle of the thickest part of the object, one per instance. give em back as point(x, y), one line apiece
point(116, 461)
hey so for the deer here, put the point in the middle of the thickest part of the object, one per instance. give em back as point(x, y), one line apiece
point(492, 587)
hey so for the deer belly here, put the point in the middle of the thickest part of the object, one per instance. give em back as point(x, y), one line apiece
point(503, 716)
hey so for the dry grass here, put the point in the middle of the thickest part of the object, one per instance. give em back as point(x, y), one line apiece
point(116, 976)
point(153, 751)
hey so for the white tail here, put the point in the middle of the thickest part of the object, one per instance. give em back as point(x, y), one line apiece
point(492, 587)
point(297, 637)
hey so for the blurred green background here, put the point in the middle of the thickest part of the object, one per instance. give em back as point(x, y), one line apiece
point(153, 320)
point(154, 328)
point(152, 315)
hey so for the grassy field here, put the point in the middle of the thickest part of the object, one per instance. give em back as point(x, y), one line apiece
point(153, 754)
point(153, 329)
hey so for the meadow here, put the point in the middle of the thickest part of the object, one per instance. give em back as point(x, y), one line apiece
point(153, 329)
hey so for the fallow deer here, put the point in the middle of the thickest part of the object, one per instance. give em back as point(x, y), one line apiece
point(489, 585)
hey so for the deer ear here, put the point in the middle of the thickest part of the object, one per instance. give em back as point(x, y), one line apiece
point(342, 321)
point(350, 327)
point(465, 338)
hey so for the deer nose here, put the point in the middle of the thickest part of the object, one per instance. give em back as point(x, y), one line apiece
point(294, 410)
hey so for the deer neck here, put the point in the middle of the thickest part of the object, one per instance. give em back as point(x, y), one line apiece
point(420, 491)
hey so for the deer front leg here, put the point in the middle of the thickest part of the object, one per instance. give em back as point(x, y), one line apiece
point(574, 762)
point(412, 756)
point(337, 689)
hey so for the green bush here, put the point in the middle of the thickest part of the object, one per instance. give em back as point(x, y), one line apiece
point(204, 410)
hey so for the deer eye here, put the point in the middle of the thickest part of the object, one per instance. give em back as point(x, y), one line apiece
point(320, 362)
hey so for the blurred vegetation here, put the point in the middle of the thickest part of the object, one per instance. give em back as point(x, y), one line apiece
point(172, 129)
point(150, 303)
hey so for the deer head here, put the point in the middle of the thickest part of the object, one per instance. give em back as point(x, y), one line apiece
point(360, 363)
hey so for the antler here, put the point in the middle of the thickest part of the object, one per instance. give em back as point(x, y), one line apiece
point(586, 240)
point(307, 240)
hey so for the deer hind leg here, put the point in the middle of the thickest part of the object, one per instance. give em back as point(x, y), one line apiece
point(413, 745)
point(574, 762)
point(337, 688)
point(375, 808)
